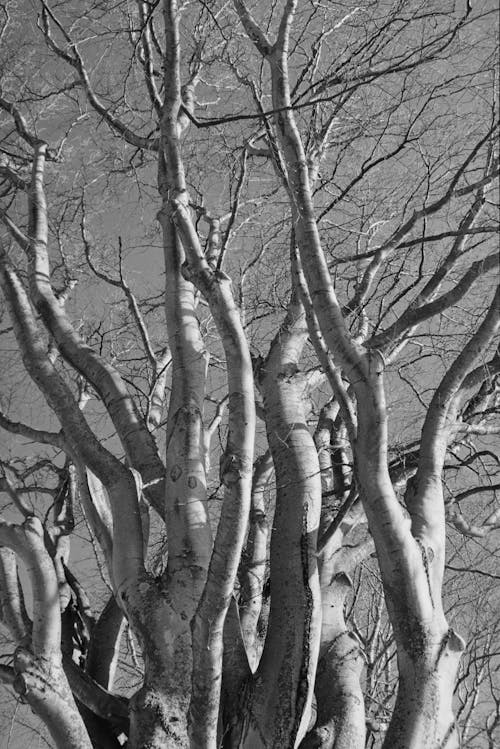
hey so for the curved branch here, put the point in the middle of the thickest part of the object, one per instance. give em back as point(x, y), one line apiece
point(87, 691)
point(137, 441)
point(35, 435)
point(120, 482)
point(75, 60)
point(20, 122)
point(426, 513)
point(13, 613)
point(416, 314)
point(27, 542)
point(255, 33)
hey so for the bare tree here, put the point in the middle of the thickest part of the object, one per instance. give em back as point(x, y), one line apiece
point(315, 385)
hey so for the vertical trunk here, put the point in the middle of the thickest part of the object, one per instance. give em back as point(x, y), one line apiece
point(104, 645)
point(280, 697)
point(236, 476)
point(340, 720)
point(158, 710)
point(169, 661)
point(423, 715)
point(235, 673)
point(189, 536)
point(428, 652)
point(255, 561)
point(196, 575)
point(154, 717)
point(288, 663)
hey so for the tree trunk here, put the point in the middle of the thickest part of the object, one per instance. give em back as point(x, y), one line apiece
point(423, 715)
point(42, 683)
point(254, 562)
point(340, 720)
point(158, 710)
point(280, 696)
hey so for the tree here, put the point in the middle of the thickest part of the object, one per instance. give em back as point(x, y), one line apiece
point(322, 178)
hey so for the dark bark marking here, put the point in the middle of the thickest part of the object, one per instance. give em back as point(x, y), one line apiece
point(426, 558)
point(302, 686)
point(176, 472)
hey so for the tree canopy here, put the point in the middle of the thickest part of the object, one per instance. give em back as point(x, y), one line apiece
point(249, 324)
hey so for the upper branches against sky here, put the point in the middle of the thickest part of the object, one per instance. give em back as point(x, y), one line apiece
point(248, 271)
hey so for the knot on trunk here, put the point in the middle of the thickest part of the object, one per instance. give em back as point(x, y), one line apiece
point(231, 468)
point(288, 371)
point(451, 643)
point(35, 674)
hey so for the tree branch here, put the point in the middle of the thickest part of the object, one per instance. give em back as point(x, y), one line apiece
point(75, 60)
